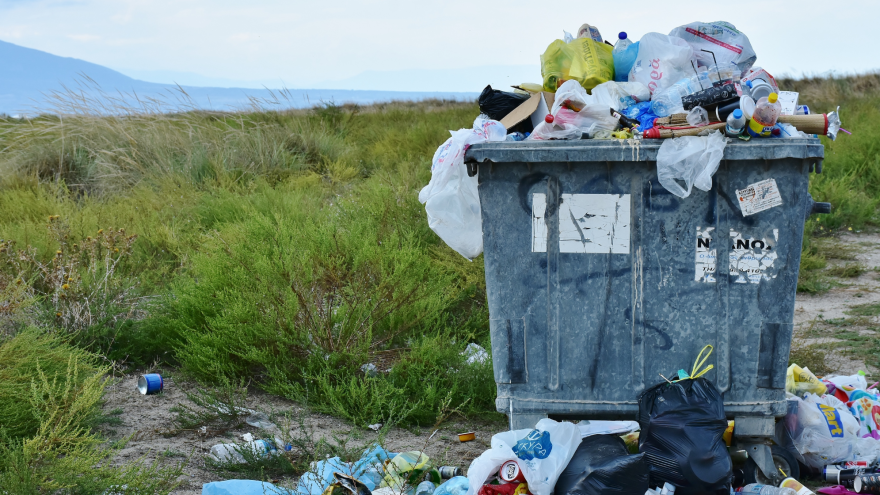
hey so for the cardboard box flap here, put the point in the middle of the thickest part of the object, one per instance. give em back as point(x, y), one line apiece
point(536, 107)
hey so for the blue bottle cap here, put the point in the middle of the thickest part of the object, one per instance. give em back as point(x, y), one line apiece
point(737, 114)
point(622, 35)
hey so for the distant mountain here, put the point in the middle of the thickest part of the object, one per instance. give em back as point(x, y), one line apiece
point(27, 76)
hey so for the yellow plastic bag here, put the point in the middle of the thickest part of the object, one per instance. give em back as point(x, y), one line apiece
point(405, 468)
point(583, 60)
point(799, 381)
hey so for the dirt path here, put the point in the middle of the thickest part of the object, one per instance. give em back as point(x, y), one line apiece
point(835, 332)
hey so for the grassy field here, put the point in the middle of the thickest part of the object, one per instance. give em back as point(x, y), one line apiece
point(287, 249)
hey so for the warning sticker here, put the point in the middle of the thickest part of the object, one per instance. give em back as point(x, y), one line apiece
point(758, 197)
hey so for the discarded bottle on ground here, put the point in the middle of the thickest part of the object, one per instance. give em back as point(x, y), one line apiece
point(425, 488)
point(623, 59)
point(763, 120)
point(757, 489)
point(231, 452)
point(736, 123)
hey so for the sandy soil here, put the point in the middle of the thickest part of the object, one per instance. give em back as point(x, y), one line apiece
point(147, 417)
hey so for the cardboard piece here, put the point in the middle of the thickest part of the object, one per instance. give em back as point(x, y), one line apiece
point(536, 108)
point(789, 102)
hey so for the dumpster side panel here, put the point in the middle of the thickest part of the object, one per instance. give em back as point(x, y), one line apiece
point(599, 281)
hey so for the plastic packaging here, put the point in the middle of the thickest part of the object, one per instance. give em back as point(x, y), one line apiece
point(602, 465)
point(591, 32)
point(764, 118)
point(425, 488)
point(683, 425)
point(546, 451)
point(368, 469)
point(662, 60)
point(619, 95)
point(583, 60)
point(451, 199)
point(692, 159)
point(623, 57)
point(669, 101)
point(722, 39)
point(242, 487)
point(799, 381)
point(404, 467)
point(573, 113)
point(455, 486)
point(233, 453)
point(698, 117)
point(736, 124)
point(757, 489)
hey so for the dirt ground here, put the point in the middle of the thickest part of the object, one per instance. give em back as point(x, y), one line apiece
point(818, 322)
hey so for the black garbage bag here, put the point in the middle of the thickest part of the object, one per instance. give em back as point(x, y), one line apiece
point(601, 465)
point(497, 104)
point(682, 435)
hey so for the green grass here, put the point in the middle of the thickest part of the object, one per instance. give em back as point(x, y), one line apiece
point(288, 249)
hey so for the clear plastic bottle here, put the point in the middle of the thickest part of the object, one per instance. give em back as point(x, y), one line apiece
point(669, 102)
point(623, 58)
point(756, 489)
point(736, 123)
point(767, 110)
point(232, 453)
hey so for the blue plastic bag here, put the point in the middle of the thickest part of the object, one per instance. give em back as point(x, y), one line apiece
point(242, 487)
point(457, 485)
point(320, 474)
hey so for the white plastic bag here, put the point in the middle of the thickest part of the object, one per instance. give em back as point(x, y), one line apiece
point(619, 95)
point(574, 113)
point(451, 198)
point(541, 453)
point(662, 61)
point(720, 38)
point(826, 432)
point(693, 159)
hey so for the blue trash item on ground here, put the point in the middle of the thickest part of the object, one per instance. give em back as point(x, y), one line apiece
point(320, 474)
point(457, 485)
point(242, 487)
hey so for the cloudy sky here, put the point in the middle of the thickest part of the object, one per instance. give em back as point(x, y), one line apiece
point(448, 45)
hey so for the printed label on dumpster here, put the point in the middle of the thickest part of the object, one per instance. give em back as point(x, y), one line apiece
point(594, 223)
point(705, 261)
point(758, 197)
point(752, 258)
point(539, 223)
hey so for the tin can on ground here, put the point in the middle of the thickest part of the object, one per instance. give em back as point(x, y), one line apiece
point(449, 472)
point(841, 476)
point(867, 483)
point(150, 384)
point(510, 472)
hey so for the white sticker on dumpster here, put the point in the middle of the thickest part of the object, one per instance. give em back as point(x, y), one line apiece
point(705, 261)
point(594, 223)
point(751, 259)
point(539, 223)
point(758, 197)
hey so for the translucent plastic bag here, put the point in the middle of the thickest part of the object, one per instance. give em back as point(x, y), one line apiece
point(574, 113)
point(693, 159)
point(824, 431)
point(583, 60)
point(662, 61)
point(541, 453)
point(619, 95)
point(451, 198)
point(720, 38)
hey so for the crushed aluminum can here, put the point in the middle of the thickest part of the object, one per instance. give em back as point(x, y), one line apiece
point(150, 384)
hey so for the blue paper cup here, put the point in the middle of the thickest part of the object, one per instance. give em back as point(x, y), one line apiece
point(150, 384)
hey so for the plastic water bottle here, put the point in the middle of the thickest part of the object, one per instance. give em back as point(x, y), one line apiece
point(736, 123)
point(425, 488)
point(763, 121)
point(623, 58)
point(669, 101)
point(756, 489)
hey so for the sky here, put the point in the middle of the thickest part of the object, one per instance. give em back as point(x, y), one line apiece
point(421, 45)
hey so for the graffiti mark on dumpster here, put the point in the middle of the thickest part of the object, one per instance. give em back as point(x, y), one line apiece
point(705, 262)
point(539, 223)
point(594, 223)
point(751, 259)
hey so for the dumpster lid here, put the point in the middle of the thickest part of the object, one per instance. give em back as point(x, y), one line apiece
point(632, 150)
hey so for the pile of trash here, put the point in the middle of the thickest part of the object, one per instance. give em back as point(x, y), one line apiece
point(696, 88)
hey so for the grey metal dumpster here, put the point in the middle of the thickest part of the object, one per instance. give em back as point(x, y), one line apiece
point(599, 280)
